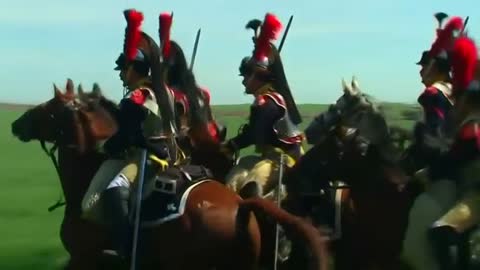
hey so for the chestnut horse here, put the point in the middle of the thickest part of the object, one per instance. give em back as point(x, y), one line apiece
point(368, 210)
point(218, 230)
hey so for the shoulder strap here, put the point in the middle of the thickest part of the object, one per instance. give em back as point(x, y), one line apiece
point(446, 89)
point(277, 98)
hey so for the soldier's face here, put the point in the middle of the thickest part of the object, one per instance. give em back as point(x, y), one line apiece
point(251, 83)
point(128, 76)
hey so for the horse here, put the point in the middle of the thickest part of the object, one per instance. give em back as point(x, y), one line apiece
point(350, 180)
point(60, 121)
point(217, 229)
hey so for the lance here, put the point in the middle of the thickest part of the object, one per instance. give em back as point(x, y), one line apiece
point(195, 47)
point(285, 34)
point(138, 207)
point(279, 191)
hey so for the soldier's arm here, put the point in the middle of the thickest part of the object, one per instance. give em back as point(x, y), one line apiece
point(435, 106)
point(263, 115)
point(266, 113)
point(131, 115)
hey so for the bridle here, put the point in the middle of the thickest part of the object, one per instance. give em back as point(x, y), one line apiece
point(73, 106)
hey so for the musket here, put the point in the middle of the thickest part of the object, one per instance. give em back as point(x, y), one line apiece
point(138, 207)
point(195, 47)
point(285, 34)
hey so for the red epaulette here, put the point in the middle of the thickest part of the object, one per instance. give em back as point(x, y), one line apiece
point(277, 98)
point(139, 95)
point(181, 98)
point(431, 91)
point(206, 94)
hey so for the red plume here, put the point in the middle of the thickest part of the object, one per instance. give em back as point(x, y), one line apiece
point(133, 33)
point(445, 36)
point(464, 62)
point(165, 23)
point(270, 29)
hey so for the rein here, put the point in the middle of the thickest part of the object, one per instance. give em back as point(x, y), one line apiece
point(51, 154)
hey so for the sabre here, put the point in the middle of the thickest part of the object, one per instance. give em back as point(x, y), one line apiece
point(285, 34)
point(277, 228)
point(465, 24)
point(195, 47)
point(138, 207)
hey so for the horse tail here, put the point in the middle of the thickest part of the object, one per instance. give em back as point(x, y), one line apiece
point(301, 228)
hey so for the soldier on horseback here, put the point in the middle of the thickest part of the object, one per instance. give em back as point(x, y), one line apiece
point(433, 135)
point(463, 159)
point(191, 101)
point(140, 126)
point(436, 99)
point(273, 120)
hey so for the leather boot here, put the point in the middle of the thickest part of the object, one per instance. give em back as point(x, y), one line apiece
point(115, 205)
point(444, 241)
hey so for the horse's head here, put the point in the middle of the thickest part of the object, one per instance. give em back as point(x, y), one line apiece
point(66, 121)
point(353, 109)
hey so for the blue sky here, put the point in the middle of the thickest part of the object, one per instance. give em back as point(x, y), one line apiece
point(44, 42)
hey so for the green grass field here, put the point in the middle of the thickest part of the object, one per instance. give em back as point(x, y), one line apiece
point(29, 185)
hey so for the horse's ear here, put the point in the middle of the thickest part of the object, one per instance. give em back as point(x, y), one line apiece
point(70, 87)
point(346, 88)
point(96, 90)
point(57, 93)
point(355, 86)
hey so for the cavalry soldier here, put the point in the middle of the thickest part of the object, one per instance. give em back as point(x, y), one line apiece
point(192, 103)
point(462, 162)
point(273, 120)
point(140, 126)
point(432, 136)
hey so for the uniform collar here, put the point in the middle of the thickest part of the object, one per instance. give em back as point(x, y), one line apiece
point(266, 88)
point(141, 83)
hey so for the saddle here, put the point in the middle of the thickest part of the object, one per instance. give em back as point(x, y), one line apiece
point(165, 193)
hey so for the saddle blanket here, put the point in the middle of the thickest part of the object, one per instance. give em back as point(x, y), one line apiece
point(166, 195)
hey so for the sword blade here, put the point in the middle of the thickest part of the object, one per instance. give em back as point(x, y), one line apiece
point(285, 34)
point(138, 207)
point(277, 227)
point(195, 47)
point(465, 24)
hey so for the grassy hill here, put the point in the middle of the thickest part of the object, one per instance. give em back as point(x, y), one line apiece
point(30, 234)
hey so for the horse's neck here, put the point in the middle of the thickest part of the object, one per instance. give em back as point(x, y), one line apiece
point(76, 173)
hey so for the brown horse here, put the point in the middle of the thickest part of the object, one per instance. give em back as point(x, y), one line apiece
point(369, 210)
point(217, 229)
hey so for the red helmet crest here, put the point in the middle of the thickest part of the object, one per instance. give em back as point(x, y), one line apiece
point(269, 32)
point(165, 23)
point(133, 34)
point(464, 62)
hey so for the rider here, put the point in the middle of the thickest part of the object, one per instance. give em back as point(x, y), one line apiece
point(433, 134)
point(273, 120)
point(191, 101)
point(463, 157)
point(139, 127)
point(436, 99)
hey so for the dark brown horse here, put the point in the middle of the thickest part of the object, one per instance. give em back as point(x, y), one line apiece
point(217, 230)
point(369, 210)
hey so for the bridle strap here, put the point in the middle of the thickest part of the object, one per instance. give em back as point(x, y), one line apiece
point(51, 154)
